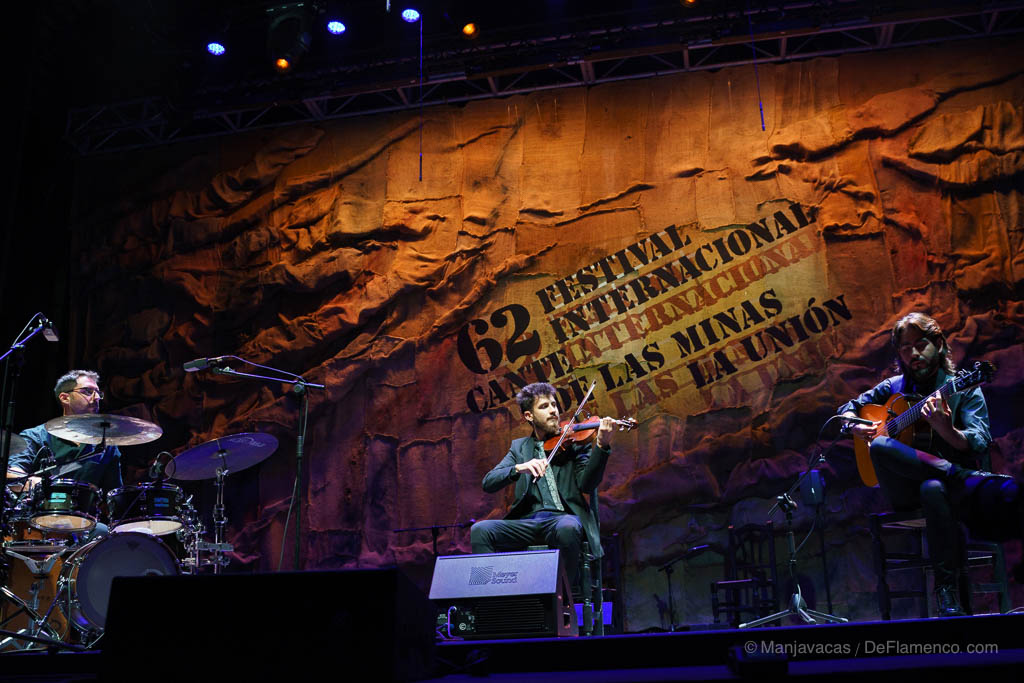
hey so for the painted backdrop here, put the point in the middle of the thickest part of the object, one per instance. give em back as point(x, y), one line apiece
point(725, 285)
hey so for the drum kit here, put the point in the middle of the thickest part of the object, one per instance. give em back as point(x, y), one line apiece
point(61, 558)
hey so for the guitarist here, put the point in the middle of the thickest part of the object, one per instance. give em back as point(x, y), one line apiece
point(943, 455)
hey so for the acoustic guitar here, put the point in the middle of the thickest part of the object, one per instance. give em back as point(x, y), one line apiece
point(899, 419)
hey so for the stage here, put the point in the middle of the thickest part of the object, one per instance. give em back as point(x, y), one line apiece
point(885, 650)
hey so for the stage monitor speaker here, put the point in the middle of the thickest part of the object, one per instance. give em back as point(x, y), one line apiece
point(504, 595)
point(318, 625)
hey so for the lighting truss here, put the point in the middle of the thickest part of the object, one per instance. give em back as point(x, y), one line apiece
point(517, 66)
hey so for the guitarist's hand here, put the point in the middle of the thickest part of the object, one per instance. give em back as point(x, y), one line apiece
point(866, 432)
point(936, 413)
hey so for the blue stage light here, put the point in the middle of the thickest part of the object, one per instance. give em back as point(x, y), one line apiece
point(411, 15)
point(215, 49)
point(335, 27)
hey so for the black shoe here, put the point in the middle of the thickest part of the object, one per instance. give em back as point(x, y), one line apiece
point(948, 602)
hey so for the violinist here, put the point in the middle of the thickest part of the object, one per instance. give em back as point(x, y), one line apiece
point(549, 507)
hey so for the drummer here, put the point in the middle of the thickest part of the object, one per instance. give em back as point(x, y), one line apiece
point(78, 393)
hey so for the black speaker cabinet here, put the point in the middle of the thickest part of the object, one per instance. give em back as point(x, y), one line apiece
point(317, 625)
point(504, 595)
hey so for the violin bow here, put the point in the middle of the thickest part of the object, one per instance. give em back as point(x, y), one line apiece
point(567, 429)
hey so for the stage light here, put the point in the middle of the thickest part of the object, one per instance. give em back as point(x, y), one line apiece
point(216, 49)
point(410, 15)
point(469, 30)
point(335, 27)
point(289, 37)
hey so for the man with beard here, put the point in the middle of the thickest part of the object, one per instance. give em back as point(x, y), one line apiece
point(931, 474)
point(549, 507)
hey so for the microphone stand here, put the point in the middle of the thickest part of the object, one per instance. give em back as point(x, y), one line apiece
point(797, 605)
point(668, 569)
point(300, 387)
point(435, 530)
point(13, 360)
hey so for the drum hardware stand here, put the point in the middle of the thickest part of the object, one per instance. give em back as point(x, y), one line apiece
point(797, 605)
point(40, 570)
point(435, 530)
point(220, 521)
point(301, 388)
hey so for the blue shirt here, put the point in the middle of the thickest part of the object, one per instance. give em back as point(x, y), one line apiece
point(102, 468)
point(968, 409)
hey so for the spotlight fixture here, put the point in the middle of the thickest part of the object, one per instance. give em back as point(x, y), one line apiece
point(335, 27)
point(470, 30)
point(215, 48)
point(410, 15)
point(289, 37)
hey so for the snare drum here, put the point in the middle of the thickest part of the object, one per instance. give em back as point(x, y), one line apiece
point(65, 505)
point(87, 575)
point(148, 508)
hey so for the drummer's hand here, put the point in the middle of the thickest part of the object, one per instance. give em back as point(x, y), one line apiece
point(27, 484)
point(534, 467)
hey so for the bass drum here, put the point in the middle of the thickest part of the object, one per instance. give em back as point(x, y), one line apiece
point(88, 573)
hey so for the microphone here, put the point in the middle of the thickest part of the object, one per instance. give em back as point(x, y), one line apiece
point(204, 363)
point(49, 330)
point(857, 420)
point(156, 469)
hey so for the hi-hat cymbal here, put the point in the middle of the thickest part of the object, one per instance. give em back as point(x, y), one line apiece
point(234, 453)
point(93, 428)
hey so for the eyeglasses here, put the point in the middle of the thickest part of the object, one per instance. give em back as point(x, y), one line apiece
point(88, 392)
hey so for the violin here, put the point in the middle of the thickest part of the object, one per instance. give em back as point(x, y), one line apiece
point(582, 432)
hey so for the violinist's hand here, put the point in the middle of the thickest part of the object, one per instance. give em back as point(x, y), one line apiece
point(605, 432)
point(535, 467)
point(866, 432)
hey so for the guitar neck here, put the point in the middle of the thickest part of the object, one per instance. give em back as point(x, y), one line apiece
point(913, 413)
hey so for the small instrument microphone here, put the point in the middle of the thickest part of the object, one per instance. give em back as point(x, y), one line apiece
point(204, 363)
point(49, 330)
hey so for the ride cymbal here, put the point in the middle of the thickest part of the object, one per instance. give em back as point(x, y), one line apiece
point(234, 453)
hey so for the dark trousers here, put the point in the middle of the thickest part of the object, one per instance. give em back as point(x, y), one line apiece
point(561, 531)
point(910, 479)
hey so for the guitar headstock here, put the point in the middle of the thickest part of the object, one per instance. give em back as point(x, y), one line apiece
point(983, 372)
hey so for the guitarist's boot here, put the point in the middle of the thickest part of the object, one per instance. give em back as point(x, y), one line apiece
point(947, 597)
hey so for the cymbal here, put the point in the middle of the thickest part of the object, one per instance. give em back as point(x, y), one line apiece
point(92, 428)
point(17, 442)
point(235, 453)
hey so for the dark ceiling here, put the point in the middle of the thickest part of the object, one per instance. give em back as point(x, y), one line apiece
point(136, 74)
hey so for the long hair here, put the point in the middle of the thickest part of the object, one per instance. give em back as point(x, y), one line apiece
point(927, 326)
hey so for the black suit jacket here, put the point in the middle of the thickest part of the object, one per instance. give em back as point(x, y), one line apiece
point(577, 469)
